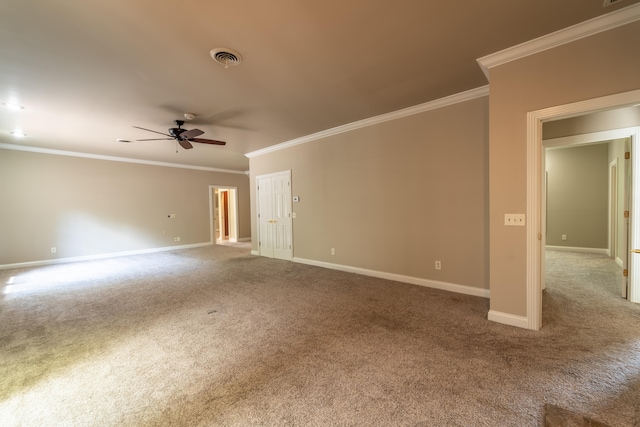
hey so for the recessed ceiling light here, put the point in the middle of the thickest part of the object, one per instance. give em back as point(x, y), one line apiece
point(12, 106)
point(18, 134)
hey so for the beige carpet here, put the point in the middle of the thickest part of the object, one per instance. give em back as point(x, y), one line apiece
point(216, 337)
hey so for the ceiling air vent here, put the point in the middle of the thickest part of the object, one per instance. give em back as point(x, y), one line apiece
point(226, 57)
point(610, 2)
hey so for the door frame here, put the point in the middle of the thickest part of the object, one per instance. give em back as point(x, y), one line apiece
point(613, 209)
point(233, 213)
point(535, 238)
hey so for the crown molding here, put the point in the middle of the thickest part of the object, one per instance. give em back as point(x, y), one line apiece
point(584, 29)
point(405, 112)
point(40, 150)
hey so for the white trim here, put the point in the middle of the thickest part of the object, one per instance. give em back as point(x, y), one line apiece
point(589, 138)
point(417, 109)
point(254, 252)
point(612, 208)
point(508, 319)
point(99, 256)
point(534, 261)
point(112, 158)
point(445, 286)
point(603, 251)
point(244, 239)
point(535, 147)
point(272, 174)
point(584, 29)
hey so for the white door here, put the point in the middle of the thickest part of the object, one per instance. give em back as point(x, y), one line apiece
point(633, 283)
point(274, 215)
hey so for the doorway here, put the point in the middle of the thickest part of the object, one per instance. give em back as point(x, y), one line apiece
point(584, 196)
point(535, 202)
point(223, 214)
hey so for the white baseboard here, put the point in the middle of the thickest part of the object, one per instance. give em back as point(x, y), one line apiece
point(445, 286)
point(577, 249)
point(244, 239)
point(99, 256)
point(254, 252)
point(508, 319)
point(619, 262)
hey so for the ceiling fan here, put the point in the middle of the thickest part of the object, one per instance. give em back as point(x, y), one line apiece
point(183, 137)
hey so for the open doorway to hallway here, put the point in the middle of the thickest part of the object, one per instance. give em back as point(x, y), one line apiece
point(223, 208)
point(537, 123)
point(586, 198)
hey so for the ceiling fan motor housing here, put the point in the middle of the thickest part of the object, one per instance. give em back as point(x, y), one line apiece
point(175, 132)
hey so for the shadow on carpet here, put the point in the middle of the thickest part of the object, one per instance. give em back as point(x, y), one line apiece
point(556, 416)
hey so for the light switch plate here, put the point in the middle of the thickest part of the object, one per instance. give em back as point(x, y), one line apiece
point(514, 219)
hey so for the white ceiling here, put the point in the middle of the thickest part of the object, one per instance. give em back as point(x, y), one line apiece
point(87, 71)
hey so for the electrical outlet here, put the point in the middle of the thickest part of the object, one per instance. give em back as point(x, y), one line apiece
point(176, 239)
point(514, 219)
point(438, 265)
point(171, 216)
point(333, 251)
point(564, 237)
point(54, 250)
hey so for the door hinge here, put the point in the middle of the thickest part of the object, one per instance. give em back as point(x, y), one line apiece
point(626, 214)
point(627, 155)
point(625, 272)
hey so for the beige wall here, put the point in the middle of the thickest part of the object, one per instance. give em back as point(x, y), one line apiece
point(394, 197)
point(89, 207)
point(603, 64)
point(578, 196)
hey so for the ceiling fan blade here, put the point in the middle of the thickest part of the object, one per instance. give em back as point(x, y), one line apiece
point(153, 139)
point(185, 144)
point(149, 130)
point(207, 141)
point(188, 134)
